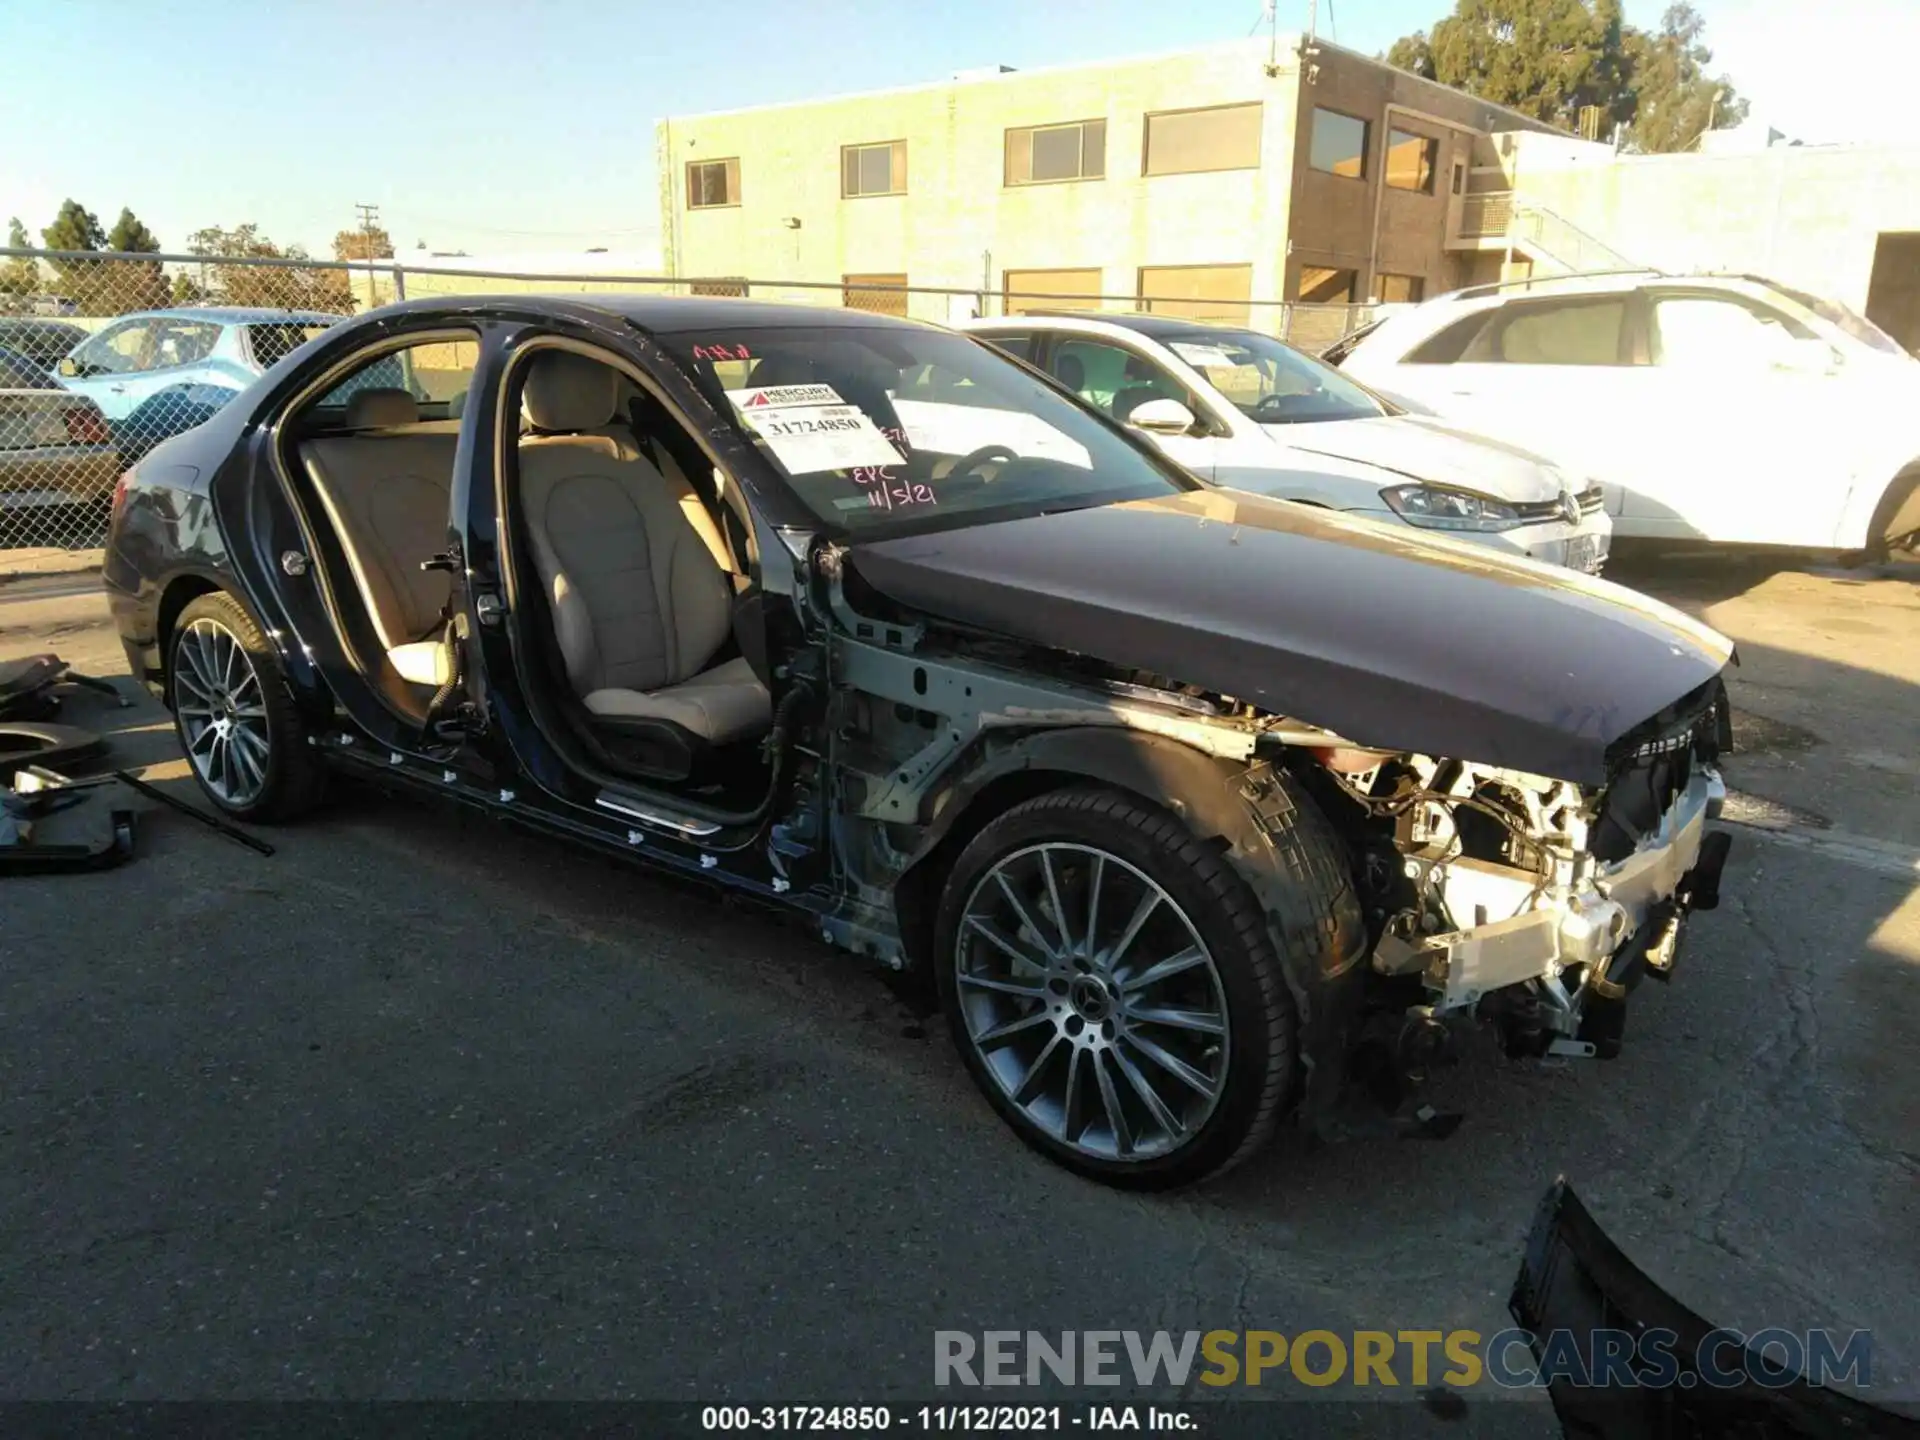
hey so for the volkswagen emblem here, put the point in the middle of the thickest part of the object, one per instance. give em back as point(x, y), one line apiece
point(1570, 506)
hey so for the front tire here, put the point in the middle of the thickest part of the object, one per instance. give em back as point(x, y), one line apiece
point(1113, 988)
point(235, 717)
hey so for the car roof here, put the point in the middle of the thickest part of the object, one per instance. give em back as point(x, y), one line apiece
point(37, 322)
point(665, 313)
point(1154, 327)
point(237, 315)
point(1414, 325)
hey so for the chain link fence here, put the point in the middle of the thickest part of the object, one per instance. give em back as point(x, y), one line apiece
point(103, 356)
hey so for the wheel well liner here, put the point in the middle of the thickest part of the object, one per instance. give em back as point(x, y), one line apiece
point(181, 592)
point(1899, 501)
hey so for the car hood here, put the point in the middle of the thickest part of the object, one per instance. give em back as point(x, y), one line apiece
point(1387, 637)
point(1418, 447)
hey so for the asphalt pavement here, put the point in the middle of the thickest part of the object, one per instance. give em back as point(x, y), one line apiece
point(423, 1107)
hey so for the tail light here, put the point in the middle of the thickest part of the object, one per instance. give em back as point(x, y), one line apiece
point(85, 425)
point(120, 488)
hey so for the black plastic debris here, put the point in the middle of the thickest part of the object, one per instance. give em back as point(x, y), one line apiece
point(27, 687)
point(1613, 1382)
point(49, 825)
point(212, 822)
point(36, 742)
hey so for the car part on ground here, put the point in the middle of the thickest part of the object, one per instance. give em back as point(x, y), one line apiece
point(936, 646)
point(175, 803)
point(36, 742)
point(1611, 1383)
point(27, 687)
point(50, 825)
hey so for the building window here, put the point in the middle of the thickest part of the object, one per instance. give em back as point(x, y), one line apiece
point(1026, 291)
point(1041, 154)
point(1339, 144)
point(873, 169)
point(1181, 142)
point(725, 289)
point(882, 294)
point(1197, 292)
point(1400, 289)
point(712, 184)
point(1320, 285)
point(1411, 161)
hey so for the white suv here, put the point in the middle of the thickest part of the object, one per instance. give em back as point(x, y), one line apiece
point(1723, 408)
point(1243, 410)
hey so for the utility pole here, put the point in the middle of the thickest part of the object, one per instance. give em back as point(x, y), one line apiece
point(368, 215)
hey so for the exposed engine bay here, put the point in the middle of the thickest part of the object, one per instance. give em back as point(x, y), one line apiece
point(1535, 902)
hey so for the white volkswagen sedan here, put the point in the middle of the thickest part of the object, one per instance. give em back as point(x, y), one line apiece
point(1724, 408)
point(1244, 410)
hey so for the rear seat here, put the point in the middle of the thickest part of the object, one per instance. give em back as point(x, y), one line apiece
point(387, 489)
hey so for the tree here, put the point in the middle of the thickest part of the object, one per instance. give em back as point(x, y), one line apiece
point(1544, 58)
point(74, 228)
point(130, 236)
point(1677, 102)
point(185, 291)
point(19, 276)
point(77, 228)
point(292, 287)
point(1549, 58)
point(372, 243)
point(135, 285)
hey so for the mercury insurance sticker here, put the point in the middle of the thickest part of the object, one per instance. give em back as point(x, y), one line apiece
point(809, 428)
point(777, 397)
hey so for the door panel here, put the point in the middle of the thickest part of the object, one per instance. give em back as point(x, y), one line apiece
point(271, 509)
point(1740, 426)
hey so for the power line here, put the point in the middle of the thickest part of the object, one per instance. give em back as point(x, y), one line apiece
point(369, 217)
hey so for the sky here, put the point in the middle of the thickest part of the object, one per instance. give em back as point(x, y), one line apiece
point(494, 126)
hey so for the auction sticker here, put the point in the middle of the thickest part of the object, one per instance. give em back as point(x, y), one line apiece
point(807, 437)
point(777, 397)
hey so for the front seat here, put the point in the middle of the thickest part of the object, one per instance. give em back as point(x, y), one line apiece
point(627, 560)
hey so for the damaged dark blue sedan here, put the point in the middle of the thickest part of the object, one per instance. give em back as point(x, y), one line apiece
point(1177, 798)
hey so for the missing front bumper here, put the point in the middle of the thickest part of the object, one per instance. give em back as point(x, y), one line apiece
point(1574, 960)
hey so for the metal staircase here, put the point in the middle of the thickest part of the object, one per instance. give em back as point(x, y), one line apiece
point(1554, 244)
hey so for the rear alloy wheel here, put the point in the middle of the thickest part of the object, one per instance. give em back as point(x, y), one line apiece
point(1114, 991)
point(234, 716)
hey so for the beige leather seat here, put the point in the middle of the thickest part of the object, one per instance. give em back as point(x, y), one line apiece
point(387, 491)
point(634, 571)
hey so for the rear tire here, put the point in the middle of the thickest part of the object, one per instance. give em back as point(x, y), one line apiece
point(235, 717)
point(1088, 993)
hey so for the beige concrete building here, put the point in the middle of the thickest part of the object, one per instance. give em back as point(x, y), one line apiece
point(1202, 182)
point(1839, 221)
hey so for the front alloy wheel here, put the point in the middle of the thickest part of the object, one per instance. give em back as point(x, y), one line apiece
point(1092, 1001)
point(1113, 983)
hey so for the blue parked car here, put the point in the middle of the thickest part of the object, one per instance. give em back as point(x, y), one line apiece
point(138, 356)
